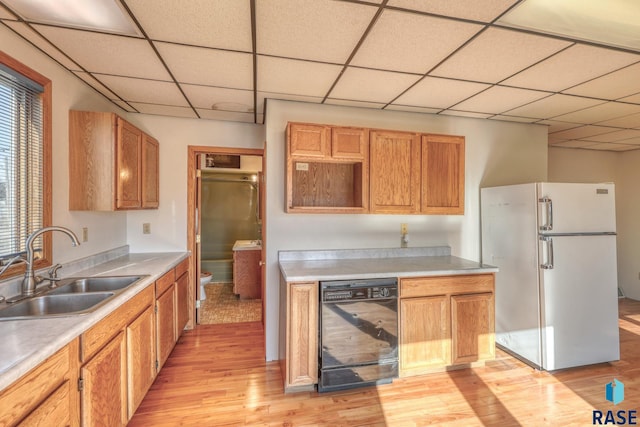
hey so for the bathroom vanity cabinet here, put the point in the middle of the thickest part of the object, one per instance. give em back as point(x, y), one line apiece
point(247, 271)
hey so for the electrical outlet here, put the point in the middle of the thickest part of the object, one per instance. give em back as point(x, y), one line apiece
point(404, 229)
point(85, 234)
point(146, 228)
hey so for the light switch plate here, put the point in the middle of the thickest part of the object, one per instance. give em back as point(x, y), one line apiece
point(146, 228)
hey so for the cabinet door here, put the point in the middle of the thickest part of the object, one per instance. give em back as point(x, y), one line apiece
point(141, 358)
point(54, 411)
point(308, 140)
point(472, 324)
point(395, 172)
point(182, 303)
point(349, 143)
point(302, 332)
point(150, 172)
point(425, 334)
point(103, 398)
point(165, 324)
point(128, 155)
point(442, 174)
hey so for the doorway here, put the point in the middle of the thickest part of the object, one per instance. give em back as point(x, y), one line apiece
point(226, 223)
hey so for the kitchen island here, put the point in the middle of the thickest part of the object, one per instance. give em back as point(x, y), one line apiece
point(446, 307)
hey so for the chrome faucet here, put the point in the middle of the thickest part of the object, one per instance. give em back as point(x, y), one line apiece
point(30, 281)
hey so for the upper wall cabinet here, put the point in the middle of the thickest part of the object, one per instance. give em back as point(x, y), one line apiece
point(112, 164)
point(327, 169)
point(442, 174)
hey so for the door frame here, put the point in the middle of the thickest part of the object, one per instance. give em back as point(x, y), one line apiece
point(194, 267)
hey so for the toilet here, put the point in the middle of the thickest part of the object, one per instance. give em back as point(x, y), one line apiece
point(205, 277)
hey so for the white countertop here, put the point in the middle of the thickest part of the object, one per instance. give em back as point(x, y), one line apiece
point(299, 266)
point(27, 343)
point(247, 245)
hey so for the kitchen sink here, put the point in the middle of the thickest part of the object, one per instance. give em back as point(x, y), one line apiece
point(54, 305)
point(94, 284)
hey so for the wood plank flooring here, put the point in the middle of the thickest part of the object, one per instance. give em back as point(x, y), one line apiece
point(217, 376)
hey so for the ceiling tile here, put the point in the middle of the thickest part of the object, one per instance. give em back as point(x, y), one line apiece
point(45, 46)
point(497, 54)
point(619, 136)
point(583, 132)
point(319, 30)
point(204, 66)
point(573, 144)
point(123, 105)
point(554, 140)
point(349, 103)
point(229, 116)
point(164, 110)
point(631, 121)
point(263, 96)
point(634, 99)
point(613, 147)
point(553, 106)
point(4, 14)
point(507, 118)
point(206, 96)
point(107, 54)
point(600, 113)
point(224, 24)
point(615, 85)
point(630, 141)
point(477, 10)
point(556, 126)
point(295, 77)
point(403, 41)
point(465, 114)
point(146, 91)
point(412, 109)
point(439, 93)
point(499, 99)
point(371, 85)
point(571, 67)
point(86, 77)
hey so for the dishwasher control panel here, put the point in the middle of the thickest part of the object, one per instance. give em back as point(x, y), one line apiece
point(358, 289)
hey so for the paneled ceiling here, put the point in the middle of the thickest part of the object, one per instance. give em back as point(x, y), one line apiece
point(221, 59)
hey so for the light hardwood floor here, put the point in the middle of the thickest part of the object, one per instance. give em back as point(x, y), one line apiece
point(216, 376)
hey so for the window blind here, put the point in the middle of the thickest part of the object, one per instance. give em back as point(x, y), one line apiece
point(21, 161)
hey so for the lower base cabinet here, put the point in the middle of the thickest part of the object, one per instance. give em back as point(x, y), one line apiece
point(141, 358)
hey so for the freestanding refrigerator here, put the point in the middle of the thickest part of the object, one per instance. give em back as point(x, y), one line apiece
point(557, 289)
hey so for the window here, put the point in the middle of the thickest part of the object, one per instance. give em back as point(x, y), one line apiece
point(25, 162)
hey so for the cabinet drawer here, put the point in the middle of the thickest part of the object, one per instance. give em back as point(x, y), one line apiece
point(182, 268)
point(443, 285)
point(165, 282)
point(102, 332)
point(54, 411)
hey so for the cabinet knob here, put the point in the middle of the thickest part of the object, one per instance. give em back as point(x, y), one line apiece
point(261, 263)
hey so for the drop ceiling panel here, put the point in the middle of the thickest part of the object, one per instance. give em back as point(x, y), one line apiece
point(439, 93)
point(612, 147)
point(206, 96)
point(203, 66)
point(349, 103)
point(555, 126)
point(124, 106)
point(95, 84)
point(499, 99)
point(371, 85)
point(600, 113)
point(573, 144)
point(319, 30)
point(517, 119)
point(497, 54)
point(45, 46)
point(164, 110)
point(107, 54)
point(226, 116)
point(615, 85)
point(553, 106)
point(619, 136)
point(631, 121)
point(402, 41)
point(571, 67)
point(146, 91)
point(634, 99)
point(465, 114)
point(582, 132)
point(263, 96)
point(412, 109)
point(224, 24)
point(295, 77)
point(476, 10)
point(4, 14)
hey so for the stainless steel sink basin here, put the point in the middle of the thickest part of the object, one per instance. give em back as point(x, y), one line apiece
point(54, 305)
point(94, 284)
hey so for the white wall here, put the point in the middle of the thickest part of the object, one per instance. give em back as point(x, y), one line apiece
point(106, 230)
point(169, 221)
point(496, 153)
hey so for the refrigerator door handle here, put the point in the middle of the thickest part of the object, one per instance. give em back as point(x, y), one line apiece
point(549, 204)
point(549, 264)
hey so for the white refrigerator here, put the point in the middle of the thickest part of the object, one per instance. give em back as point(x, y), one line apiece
point(557, 288)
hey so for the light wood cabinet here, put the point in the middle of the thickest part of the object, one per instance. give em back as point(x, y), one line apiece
point(47, 395)
point(141, 358)
point(112, 164)
point(165, 324)
point(300, 362)
point(327, 169)
point(182, 295)
point(442, 174)
point(446, 321)
point(395, 172)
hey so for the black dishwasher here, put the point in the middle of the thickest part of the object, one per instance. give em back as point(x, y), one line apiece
point(358, 333)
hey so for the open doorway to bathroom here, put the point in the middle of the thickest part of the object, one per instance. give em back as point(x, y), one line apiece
point(226, 213)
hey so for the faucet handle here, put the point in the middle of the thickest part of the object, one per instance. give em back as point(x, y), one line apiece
point(53, 271)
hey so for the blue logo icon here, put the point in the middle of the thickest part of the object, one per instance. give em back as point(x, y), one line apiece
point(615, 392)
